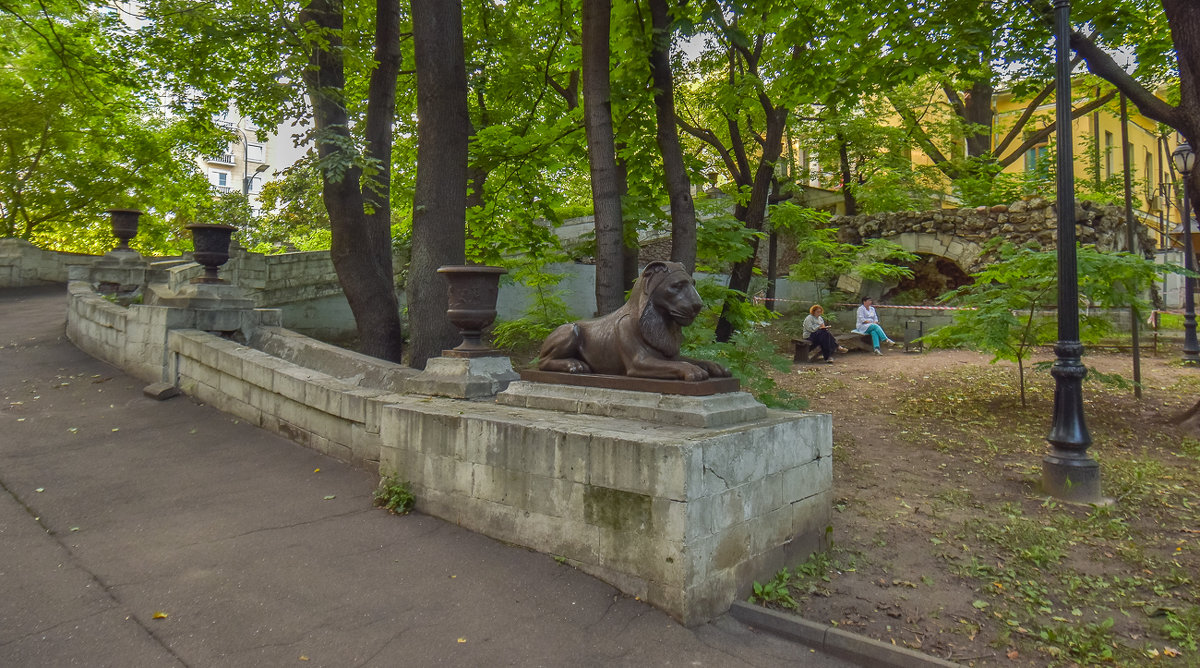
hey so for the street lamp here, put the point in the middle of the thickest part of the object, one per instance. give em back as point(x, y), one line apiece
point(1068, 471)
point(1184, 159)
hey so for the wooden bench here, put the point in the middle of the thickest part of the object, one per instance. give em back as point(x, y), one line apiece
point(805, 351)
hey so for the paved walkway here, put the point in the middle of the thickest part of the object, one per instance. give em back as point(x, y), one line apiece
point(140, 533)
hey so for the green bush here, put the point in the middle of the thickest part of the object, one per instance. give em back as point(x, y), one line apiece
point(394, 496)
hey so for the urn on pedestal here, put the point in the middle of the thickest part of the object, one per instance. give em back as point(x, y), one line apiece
point(124, 226)
point(472, 306)
point(211, 243)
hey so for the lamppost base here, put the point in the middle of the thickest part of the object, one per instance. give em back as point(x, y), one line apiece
point(1073, 479)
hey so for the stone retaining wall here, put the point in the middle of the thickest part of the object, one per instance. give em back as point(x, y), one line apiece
point(134, 337)
point(337, 417)
point(23, 264)
point(684, 514)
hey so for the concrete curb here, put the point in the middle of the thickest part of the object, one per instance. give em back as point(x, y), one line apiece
point(835, 641)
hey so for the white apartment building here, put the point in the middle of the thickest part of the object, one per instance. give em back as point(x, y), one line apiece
point(251, 159)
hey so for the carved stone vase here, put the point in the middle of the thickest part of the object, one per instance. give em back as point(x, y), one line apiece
point(211, 243)
point(473, 292)
point(124, 226)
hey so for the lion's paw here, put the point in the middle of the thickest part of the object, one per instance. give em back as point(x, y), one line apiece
point(693, 373)
point(713, 369)
point(576, 366)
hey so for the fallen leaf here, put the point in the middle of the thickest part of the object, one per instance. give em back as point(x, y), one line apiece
point(1013, 655)
point(303, 658)
point(74, 528)
point(39, 490)
point(159, 614)
point(316, 470)
point(1171, 651)
point(331, 497)
point(462, 640)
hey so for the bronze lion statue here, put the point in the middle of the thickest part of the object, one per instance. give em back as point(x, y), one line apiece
point(639, 339)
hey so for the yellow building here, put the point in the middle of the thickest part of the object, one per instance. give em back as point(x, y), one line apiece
point(1096, 150)
point(1097, 153)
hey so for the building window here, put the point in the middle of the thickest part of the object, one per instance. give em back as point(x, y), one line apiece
point(1148, 174)
point(1108, 155)
point(254, 152)
point(1036, 159)
point(220, 180)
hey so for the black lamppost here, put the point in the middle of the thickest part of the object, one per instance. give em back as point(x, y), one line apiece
point(1068, 471)
point(1184, 159)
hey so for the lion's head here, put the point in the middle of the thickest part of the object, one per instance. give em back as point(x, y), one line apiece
point(668, 301)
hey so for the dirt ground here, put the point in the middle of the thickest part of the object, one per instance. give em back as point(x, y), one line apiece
point(943, 542)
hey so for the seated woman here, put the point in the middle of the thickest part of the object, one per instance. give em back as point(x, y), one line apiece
point(817, 331)
point(866, 322)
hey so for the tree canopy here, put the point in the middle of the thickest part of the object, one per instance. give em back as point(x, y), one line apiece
point(765, 97)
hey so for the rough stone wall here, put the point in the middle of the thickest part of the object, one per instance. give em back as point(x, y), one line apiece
point(1035, 220)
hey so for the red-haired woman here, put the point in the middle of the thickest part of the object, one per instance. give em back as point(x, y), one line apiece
point(817, 331)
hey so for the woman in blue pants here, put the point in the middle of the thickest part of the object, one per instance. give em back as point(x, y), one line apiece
point(867, 322)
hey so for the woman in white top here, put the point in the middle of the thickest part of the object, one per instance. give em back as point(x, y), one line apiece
point(866, 322)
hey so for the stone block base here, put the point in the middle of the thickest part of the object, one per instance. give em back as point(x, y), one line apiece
point(463, 377)
point(684, 517)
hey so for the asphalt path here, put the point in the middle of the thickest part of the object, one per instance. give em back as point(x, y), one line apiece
point(142, 533)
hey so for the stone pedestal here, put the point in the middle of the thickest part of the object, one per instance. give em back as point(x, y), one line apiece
point(120, 271)
point(634, 490)
point(215, 307)
point(717, 410)
point(463, 377)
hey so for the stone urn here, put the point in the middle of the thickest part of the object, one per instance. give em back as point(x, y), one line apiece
point(211, 243)
point(124, 226)
point(473, 292)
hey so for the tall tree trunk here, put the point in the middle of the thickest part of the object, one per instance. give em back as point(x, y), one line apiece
point(675, 176)
point(440, 196)
point(630, 248)
point(754, 213)
point(360, 244)
point(844, 161)
point(977, 108)
point(606, 193)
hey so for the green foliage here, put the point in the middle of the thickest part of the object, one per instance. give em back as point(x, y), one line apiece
point(83, 131)
point(909, 188)
point(1006, 309)
point(394, 496)
point(527, 251)
point(293, 212)
point(1088, 643)
point(822, 258)
point(721, 239)
point(228, 208)
point(775, 592)
point(750, 357)
point(984, 184)
point(1183, 627)
point(778, 591)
